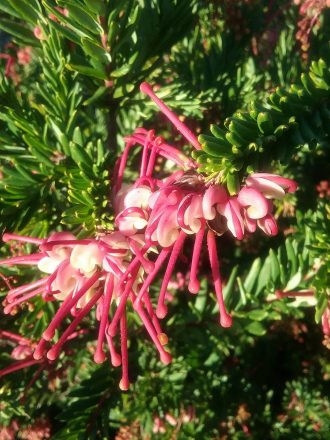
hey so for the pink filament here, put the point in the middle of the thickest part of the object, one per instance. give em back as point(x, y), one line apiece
point(7, 237)
point(12, 336)
point(122, 166)
point(165, 357)
point(68, 303)
point(55, 350)
point(185, 202)
point(40, 349)
point(112, 329)
point(99, 355)
point(114, 356)
point(225, 318)
point(194, 285)
point(152, 315)
point(182, 128)
point(18, 366)
point(152, 160)
point(147, 265)
point(23, 298)
point(48, 245)
point(158, 264)
point(161, 306)
point(144, 161)
point(13, 293)
point(25, 259)
point(124, 383)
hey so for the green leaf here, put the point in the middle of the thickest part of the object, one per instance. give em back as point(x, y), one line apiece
point(252, 275)
point(257, 315)
point(25, 10)
point(293, 282)
point(18, 31)
point(83, 18)
point(86, 70)
point(95, 51)
point(255, 328)
point(233, 184)
point(265, 123)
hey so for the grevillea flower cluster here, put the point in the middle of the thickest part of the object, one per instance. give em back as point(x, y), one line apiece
point(154, 217)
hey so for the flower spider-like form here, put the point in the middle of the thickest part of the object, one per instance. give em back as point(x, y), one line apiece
point(154, 218)
point(81, 274)
point(182, 205)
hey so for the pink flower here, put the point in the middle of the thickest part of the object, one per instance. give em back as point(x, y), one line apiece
point(271, 185)
point(153, 218)
point(24, 55)
point(158, 426)
point(326, 322)
point(38, 33)
point(81, 274)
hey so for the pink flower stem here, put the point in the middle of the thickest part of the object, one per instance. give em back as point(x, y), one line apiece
point(158, 264)
point(225, 318)
point(68, 303)
point(18, 366)
point(165, 357)
point(7, 237)
point(161, 310)
point(194, 285)
point(99, 355)
point(180, 126)
point(54, 352)
point(124, 383)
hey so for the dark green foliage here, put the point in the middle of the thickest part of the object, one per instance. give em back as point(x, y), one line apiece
point(289, 119)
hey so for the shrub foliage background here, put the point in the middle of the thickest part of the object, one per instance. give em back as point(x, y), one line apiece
point(258, 69)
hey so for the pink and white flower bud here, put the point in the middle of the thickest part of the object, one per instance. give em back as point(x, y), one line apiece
point(268, 225)
point(232, 211)
point(254, 202)
point(214, 199)
point(171, 419)
point(21, 352)
point(86, 258)
point(271, 185)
